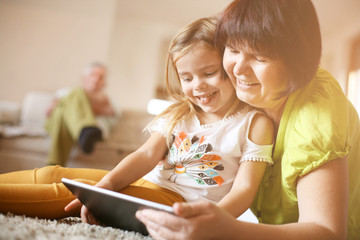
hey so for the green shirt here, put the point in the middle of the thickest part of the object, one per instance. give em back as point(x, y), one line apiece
point(318, 124)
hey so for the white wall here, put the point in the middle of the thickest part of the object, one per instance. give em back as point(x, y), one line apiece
point(44, 44)
point(337, 52)
point(140, 38)
point(135, 62)
point(340, 24)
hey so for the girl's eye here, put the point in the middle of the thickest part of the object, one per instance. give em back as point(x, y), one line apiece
point(185, 79)
point(210, 73)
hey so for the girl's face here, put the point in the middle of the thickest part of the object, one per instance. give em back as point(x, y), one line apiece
point(201, 76)
point(259, 81)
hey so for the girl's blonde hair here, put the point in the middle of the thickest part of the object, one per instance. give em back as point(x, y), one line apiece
point(201, 30)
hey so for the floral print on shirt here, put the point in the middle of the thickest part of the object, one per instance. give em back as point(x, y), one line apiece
point(193, 157)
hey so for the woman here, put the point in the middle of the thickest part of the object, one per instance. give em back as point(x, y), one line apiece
point(272, 51)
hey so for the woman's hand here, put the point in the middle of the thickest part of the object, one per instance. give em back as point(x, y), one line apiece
point(198, 220)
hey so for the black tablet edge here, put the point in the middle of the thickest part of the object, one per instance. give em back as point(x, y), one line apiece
point(142, 202)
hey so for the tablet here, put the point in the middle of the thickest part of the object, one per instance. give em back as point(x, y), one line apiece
point(112, 208)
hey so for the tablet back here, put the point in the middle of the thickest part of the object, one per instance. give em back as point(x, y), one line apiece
point(113, 208)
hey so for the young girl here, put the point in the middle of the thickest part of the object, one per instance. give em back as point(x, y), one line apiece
point(208, 145)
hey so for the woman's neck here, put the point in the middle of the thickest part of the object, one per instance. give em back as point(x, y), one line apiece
point(275, 112)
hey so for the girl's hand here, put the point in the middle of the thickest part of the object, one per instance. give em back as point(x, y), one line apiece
point(73, 205)
point(87, 217)
point(85, 214)
point(198, 220)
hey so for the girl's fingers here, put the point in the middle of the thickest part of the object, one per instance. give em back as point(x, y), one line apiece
point(83, 215)
point(73, 205)
point(88, 217)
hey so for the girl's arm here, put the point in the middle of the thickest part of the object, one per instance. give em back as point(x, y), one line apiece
point(136, 164)
point(131, 168)
point(250, 174)
point(244, 188)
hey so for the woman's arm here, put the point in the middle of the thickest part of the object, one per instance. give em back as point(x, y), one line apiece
point(250, 174)
point(323, 199)
point(322, 196)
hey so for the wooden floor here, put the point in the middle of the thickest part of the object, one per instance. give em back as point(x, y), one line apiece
point(102, 158)
point(14, 161)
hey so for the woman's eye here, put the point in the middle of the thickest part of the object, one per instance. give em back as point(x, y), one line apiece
point(259, 59)
point(232, 50)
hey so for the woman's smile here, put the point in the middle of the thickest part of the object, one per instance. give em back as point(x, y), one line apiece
point(260, 83)
point(247, 83)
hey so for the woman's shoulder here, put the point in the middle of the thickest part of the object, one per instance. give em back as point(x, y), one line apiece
point(322, 100)
point(315, 121)
point(322, 88)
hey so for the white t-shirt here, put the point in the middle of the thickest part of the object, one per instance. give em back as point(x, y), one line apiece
point(203, 160)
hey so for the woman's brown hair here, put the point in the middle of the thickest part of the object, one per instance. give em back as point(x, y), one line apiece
point(284, 29)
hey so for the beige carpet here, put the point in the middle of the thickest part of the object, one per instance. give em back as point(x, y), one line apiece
point(14, 227)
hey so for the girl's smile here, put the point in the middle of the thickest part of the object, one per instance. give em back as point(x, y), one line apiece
point(202, 81)
point(206, 98)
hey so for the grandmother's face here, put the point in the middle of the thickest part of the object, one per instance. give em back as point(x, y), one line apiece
point(258, 80)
